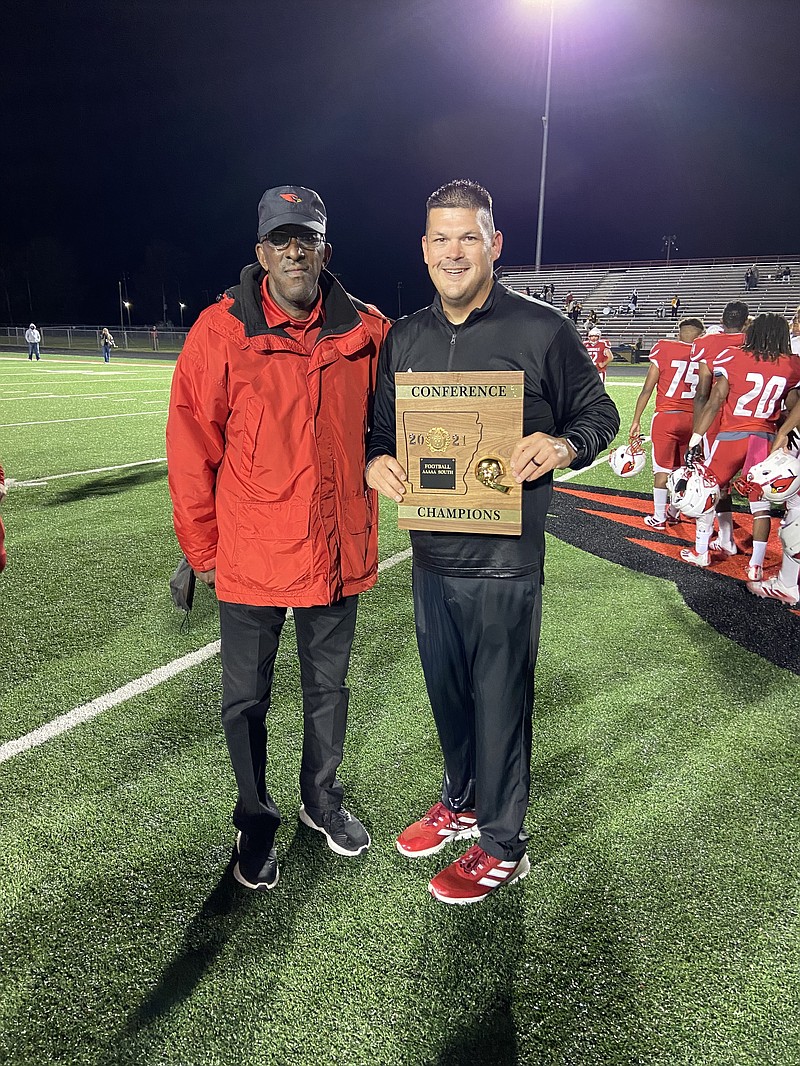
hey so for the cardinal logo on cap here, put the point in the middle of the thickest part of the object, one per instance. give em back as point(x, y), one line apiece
point(292, 197)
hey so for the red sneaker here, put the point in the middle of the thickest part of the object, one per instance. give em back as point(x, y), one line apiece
point(476, 875)
point(435, 829)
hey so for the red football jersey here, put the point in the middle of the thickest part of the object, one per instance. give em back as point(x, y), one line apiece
point(677, 375)
point(756, 388)
point(706, 349)
point(599, 352)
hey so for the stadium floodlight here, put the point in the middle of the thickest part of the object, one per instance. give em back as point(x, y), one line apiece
point(546, 131)
point(183, 308)
point(545, 134)
point(128, 306)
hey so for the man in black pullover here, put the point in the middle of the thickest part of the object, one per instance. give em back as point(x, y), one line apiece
point(477, 597)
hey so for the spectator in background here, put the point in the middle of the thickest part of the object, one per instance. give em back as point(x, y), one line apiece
point(787, 275)
point(633, 301)
point(754, 276)
point(748, 279)
point(32, 336)
point(154, 337)
point(106, 344)
point(675, 306)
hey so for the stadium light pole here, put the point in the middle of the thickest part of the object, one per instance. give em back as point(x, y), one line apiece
point(183, 308)
point(670, 242)
point(121, 317)
point(545, 133)
point(128, 309)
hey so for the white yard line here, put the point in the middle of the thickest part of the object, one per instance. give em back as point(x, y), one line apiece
point(86, 418)
point(17, 396)
point(87, 361)
point(87, 711)
point(80, 473)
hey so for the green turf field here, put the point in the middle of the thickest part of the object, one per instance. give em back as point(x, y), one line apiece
point(659, 923)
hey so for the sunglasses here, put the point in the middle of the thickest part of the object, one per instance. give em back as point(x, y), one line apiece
point(280, 240)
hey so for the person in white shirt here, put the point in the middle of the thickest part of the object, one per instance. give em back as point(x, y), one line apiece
point(33, 336)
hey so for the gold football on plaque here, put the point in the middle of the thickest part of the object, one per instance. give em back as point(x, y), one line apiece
point(489, 471)
point(437, 439)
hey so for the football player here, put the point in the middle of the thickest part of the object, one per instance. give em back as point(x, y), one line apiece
point(673, 375)
point(750, 384)
point(599, 351)
point(704, 351)
point(784, 585)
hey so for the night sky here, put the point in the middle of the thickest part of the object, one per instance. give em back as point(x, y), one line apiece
point(139, 136)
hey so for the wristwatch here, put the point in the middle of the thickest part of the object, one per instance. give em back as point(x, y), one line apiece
point(574, 446)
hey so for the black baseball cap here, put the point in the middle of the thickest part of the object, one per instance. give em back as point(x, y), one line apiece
point(290, 205)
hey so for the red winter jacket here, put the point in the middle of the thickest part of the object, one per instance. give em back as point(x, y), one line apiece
point(266, 450)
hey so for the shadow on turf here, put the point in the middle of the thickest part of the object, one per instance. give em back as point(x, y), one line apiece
point(217, 923)
point(471, 964)
point(109, 486)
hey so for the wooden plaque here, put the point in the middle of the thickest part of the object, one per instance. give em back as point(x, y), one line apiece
point(455, 435)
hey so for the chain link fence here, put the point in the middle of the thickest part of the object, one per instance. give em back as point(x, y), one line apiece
point(87, 339)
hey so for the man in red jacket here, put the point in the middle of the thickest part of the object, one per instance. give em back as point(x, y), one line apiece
point(266, 448)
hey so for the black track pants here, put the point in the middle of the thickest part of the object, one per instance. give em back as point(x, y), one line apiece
point(250, 637)
point(478, 639)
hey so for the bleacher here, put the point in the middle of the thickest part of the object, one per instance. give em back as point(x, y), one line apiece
point(704, 287)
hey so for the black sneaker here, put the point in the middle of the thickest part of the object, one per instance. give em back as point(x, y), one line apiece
point(258, 863)
point(344, 833)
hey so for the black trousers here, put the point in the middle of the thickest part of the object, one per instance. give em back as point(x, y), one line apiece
point(478, 640)
point(250, 637)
